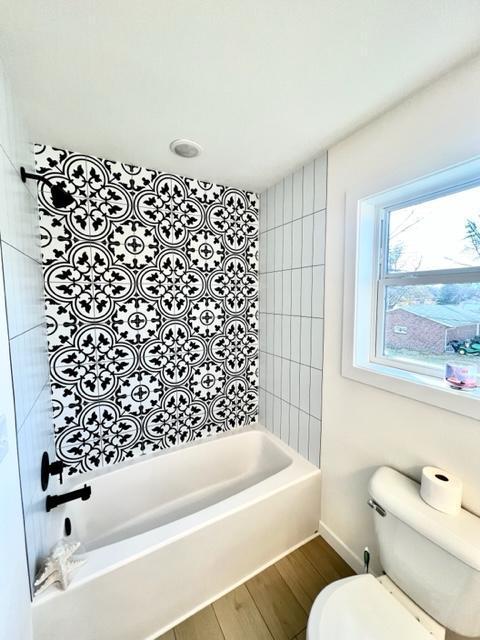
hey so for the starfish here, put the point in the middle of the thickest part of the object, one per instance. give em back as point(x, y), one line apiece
point(58, 566)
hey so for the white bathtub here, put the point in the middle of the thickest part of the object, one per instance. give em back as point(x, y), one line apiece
point(167, 535)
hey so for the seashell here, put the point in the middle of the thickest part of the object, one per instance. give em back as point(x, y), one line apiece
point(58, 566)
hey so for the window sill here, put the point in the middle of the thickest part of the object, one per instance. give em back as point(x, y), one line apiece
point(423, 388)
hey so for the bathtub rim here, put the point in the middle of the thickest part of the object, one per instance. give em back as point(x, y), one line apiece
point(110, 557)
point(80, 479)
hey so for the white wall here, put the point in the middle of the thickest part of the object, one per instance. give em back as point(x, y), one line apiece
point(364, 427)
point(26, 355)
point(15, 613)
point(292, 265)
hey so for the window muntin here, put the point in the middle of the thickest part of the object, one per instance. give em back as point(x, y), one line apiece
point(429, 282)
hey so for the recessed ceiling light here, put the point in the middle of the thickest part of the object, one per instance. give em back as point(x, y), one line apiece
point(185, 148)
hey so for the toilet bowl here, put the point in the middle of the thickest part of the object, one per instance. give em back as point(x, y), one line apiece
point(360, 608)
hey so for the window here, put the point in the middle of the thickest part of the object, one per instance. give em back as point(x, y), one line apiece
point(412, 286)
point(398, 329)
point(428, 288)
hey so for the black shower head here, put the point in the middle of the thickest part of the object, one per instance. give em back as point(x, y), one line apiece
point(60, 198)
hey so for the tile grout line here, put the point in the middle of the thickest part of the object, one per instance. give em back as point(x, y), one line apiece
point(44, 385)
point(26, 255)
point(316, 264)
point(301, 285)
point(323, 301)
point(311, 313)
point(281, 306)
point(22, 333)
point(293, 219)
point(311, 322)
point(268, 248)
point(290, 327)
point(294, 406)
point(274, 297)
point(275, 355)
point(290, 337)
point(264, 304)
point(294, 315)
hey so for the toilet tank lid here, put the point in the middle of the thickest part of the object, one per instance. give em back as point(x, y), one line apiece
point(459, 535)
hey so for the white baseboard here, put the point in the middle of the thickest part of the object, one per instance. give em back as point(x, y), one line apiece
point(340, 547)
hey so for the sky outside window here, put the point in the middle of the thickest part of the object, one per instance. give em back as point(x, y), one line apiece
point(433, 235)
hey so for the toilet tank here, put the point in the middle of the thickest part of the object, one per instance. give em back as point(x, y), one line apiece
point(432, 556)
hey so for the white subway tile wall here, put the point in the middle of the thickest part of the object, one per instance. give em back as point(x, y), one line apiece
point(292, 265)
point(22, 269)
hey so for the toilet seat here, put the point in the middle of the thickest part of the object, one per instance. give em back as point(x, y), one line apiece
point(360, 608)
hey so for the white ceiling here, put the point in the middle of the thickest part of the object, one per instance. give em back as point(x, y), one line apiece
point(262, 85)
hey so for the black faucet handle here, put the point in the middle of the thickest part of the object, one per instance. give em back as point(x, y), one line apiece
point(48, 469)
point(56, 469)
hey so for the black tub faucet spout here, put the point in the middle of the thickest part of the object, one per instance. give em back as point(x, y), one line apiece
point(79, 494)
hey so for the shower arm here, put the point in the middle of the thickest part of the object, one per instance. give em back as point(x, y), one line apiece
point(61, 199)
point(26, 175)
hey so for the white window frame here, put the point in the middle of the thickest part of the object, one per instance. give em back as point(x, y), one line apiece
point(435, 276)
point(364, 265)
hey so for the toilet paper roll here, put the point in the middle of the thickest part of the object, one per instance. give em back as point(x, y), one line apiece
point(441, 490)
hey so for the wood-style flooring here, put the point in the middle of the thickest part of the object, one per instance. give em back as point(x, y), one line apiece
point(274, 604)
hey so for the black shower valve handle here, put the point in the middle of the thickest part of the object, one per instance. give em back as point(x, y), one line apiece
point(48, 469)
point(56, 469)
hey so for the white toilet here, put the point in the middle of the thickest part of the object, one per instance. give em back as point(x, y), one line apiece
point(432, 566)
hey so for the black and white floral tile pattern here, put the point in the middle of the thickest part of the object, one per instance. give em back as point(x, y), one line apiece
point(151, 286)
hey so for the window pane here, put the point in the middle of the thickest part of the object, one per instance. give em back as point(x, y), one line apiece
point(433, 324)
point(437, 234)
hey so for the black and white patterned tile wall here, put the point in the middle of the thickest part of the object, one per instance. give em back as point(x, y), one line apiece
point(292, 265)
point(151, 287)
